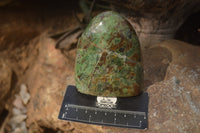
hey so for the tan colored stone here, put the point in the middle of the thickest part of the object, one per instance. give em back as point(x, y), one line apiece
point(47, 80)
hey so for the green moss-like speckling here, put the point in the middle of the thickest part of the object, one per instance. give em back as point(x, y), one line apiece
point(108, 61)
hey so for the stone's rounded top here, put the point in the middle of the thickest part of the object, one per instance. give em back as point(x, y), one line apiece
point(108, 29)
point(106, 22)
point(108, 58)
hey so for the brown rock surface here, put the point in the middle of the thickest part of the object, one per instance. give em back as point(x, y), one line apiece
point(172, 70)
point(47, 80)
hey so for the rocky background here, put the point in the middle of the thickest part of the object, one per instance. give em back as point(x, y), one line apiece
point(35, 69)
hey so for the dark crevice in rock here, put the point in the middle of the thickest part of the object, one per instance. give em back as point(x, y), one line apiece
point(48, 130)
point(190, 30)
point(14, 81)
point(3, 116)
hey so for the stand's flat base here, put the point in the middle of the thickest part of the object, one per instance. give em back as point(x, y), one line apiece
point(130, 112)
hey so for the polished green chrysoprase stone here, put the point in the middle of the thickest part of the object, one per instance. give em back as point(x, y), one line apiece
point(108, 61)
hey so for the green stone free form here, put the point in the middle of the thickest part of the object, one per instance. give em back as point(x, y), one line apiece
point(108, 61)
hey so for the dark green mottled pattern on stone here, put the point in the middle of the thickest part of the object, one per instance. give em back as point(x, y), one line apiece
point(108, 58)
